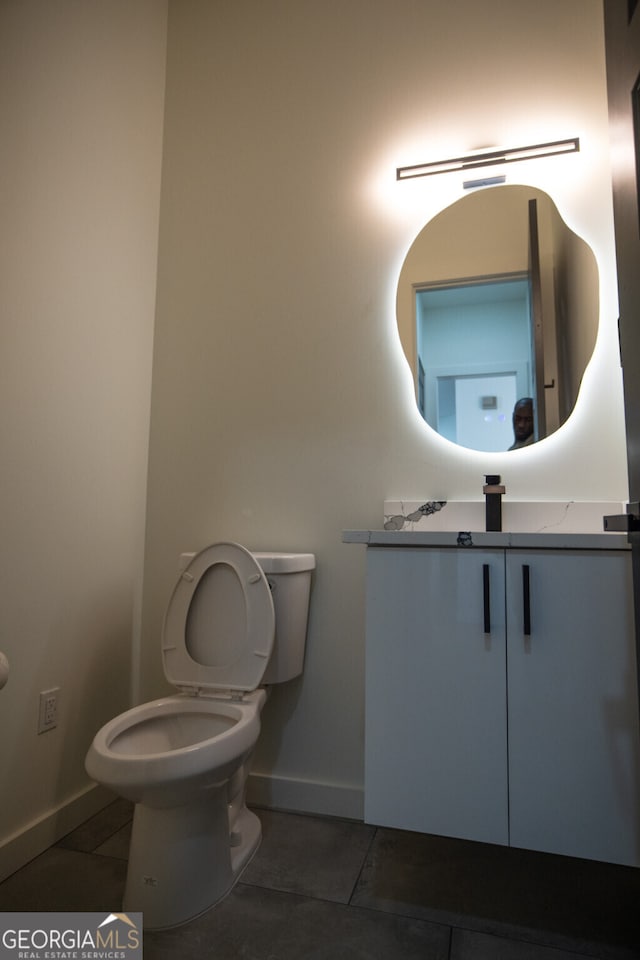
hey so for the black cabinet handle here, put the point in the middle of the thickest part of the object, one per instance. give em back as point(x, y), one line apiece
point(526, 600)
point(486, 589)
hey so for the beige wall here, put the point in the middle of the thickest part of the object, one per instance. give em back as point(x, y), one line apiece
point(81, 101)
point(282, 405)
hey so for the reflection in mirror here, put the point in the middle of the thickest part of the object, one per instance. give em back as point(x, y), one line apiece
point(497, 301)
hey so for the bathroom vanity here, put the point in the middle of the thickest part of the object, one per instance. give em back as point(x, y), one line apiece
point(501, 690)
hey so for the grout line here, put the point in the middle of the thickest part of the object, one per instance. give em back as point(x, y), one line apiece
point(106, 839)
point(362, 865)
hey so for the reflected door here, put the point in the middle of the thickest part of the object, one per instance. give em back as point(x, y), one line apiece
point(537, 324)
point(482, 415)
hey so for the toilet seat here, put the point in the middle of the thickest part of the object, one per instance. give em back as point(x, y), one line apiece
point(219, 627)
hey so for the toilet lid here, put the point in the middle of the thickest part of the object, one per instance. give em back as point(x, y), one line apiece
point(219, 626)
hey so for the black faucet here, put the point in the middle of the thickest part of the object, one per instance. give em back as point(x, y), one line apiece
point(493, 491)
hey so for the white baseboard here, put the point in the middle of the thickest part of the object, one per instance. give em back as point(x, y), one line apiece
point(37, 836)
point(306, 796)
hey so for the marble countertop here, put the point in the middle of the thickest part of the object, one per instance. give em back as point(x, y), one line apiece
point(443, 538)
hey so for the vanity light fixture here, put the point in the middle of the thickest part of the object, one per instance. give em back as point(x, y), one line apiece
point(489, 159)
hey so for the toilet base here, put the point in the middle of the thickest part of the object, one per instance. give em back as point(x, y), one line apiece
point(182, 860)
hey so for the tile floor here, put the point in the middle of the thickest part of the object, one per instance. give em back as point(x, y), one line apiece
point(327, 889)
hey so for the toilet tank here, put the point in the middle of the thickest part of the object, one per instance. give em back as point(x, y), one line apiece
point(289, 576)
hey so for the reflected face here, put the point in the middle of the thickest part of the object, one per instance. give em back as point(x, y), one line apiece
point(523, 420)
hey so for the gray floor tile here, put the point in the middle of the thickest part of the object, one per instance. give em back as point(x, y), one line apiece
point(312, 856)
point(65, 880)
point(99, 828)
point(117, 845)
point(502, 904)
point(470, 945)
point(258, 924)
point(557, 901)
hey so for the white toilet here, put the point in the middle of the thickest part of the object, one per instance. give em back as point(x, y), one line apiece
point(235, 620)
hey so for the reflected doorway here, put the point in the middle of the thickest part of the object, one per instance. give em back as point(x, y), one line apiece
point(474, 354)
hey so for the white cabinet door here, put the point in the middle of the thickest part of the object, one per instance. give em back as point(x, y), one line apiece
point(574, 778)
point(435, 748)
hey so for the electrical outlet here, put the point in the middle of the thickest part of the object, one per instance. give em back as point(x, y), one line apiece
point(48, 710)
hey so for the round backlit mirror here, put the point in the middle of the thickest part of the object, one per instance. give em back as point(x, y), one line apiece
point(497, 310)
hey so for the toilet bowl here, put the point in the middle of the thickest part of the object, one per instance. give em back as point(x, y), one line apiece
point(234, 620)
